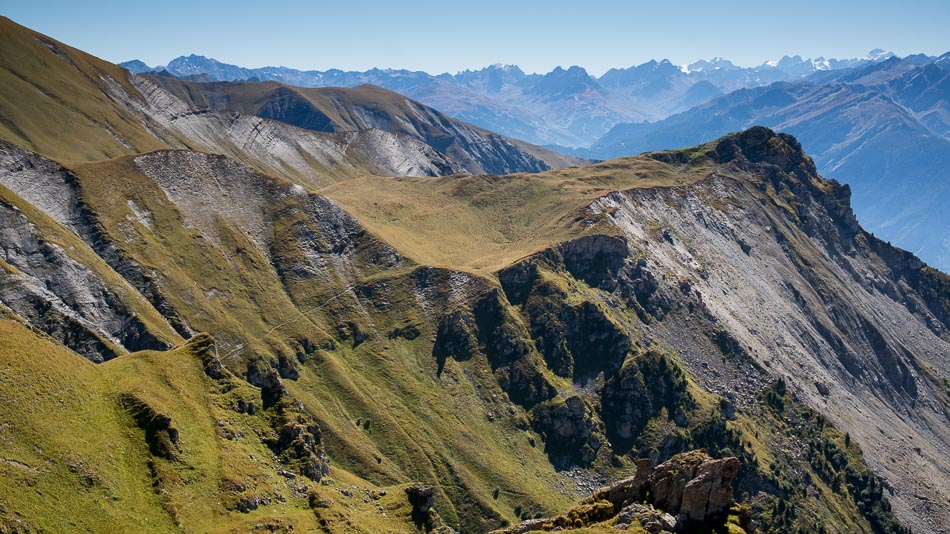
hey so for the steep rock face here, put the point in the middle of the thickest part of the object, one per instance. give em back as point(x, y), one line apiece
point(510, 353)
point(487, 326)
point(41, 182)
point(49, 280)
point(192, 181)
point(694, 485)
point(781, 265)
point(404, 128)
point(569, 430)
point(32, 266)
point(575, 340)
point(643, 387)
point(281, 148)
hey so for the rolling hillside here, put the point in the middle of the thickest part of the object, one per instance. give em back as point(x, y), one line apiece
point(205, 327)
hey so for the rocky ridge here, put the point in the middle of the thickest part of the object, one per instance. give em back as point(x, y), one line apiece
point(120, 113)
point(882, 129)
point(768, 283)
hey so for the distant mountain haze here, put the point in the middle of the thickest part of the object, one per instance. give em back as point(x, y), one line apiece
point(884, 129)
point(565, 107)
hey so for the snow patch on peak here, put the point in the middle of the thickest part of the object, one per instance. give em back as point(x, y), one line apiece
point(878, 54)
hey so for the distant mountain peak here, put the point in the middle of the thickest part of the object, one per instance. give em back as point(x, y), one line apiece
point(136, 66)
point(878, 54)
point(716, 63)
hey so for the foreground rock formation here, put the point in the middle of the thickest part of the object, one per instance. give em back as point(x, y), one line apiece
point(689, 490)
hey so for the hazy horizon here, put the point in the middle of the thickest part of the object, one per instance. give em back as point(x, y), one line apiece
point(436, 37)
point(480, 67)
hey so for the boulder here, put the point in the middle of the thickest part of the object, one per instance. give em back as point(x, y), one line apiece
point(687, 489)
point(650, 518)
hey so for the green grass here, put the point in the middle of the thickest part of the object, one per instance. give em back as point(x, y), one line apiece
point(228, 288)
point(484, 223)
point(72, 459)
point(69, 461)
point(423, 427)
point(55, 105)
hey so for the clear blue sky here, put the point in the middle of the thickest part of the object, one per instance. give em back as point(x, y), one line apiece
point(447, 35)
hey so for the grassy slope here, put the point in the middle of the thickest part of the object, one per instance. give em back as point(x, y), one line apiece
point(484, 223)
point(71, 459)
point(423, 427)
point(52, 103)
point(228, 288)
point(388, 417)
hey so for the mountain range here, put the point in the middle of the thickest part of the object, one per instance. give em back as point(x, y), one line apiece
point(255, 307)
point(878, 123)
point(566, 107)
point(884, 129)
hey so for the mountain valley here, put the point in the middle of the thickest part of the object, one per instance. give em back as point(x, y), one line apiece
point(251, 306)
point(878, 123)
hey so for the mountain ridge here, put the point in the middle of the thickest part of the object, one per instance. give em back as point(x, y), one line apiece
point(507, 100)
point(882, 129)
point(510, 342)
point(104, 112)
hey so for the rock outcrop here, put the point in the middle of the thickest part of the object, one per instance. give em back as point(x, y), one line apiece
point(694, 486)
point(160, 435)
point(690, 489)
point(569, 431)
